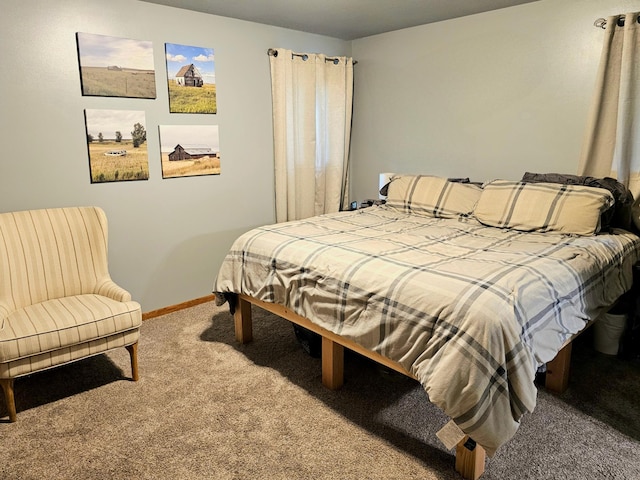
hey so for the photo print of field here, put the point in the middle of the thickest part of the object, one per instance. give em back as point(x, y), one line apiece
point(116, 67)
point(191, 77)
point(117, 144)
point(189, 150)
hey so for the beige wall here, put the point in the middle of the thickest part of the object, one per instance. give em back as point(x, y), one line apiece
point(167, 237)
point(486, 96)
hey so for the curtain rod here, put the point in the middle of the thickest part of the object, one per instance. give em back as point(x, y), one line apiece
point(273, 52)
point(602, 22)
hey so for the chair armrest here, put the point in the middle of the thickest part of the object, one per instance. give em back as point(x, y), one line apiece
point(109, 288)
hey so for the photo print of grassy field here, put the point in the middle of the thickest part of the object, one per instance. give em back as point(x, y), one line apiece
point(117, 145)
point(116, 67)
point(189, 150)
point(191, 79)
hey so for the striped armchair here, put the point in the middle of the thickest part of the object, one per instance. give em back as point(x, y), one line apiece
point(58, 303)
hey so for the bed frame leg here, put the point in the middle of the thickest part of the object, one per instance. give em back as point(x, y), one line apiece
point(242, 321)
point(557, 377)
point(332, 364)
point(469, 459)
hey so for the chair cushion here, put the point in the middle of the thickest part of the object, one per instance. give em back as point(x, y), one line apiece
point(63, 322)
point(43, 361)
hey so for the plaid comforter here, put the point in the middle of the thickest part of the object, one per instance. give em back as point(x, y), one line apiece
point(471, 311)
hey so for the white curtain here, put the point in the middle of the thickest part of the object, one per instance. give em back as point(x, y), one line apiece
point(312, 98)
point(612, 142)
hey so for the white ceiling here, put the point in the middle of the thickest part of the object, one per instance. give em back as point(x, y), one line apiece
point(344, 19)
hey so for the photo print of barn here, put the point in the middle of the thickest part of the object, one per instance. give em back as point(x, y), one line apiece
point(189, 76)
point(191, 79)
point(189, 150)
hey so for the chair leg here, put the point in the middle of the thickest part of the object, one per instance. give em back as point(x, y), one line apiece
point(133, 353)
point(7, 386)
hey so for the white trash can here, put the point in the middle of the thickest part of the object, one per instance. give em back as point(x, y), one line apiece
point(607, 332)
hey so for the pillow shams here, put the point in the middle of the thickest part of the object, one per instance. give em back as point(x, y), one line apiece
point(543, 207)
point(432, 196)
point(619, 215)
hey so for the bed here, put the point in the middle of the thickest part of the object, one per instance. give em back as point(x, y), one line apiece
point(470, 290)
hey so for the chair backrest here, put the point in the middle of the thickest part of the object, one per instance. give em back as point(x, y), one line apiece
point(51, 253)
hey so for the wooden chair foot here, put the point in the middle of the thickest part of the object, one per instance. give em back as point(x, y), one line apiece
point(7, 386)
point(133, 353)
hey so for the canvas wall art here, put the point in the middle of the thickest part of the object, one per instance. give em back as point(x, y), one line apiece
point(117, 144)
point(189, 150)
point(116, 67)
point(191, 79)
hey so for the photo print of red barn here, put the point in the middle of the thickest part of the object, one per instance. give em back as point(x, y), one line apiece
point(189, 150)
point(191, 79)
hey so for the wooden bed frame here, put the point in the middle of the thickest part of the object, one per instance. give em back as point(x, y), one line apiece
point(470, 458)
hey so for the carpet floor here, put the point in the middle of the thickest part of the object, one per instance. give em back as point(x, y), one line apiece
point(206, 407)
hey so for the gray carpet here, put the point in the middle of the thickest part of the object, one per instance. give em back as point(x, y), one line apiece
point(208, 408)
